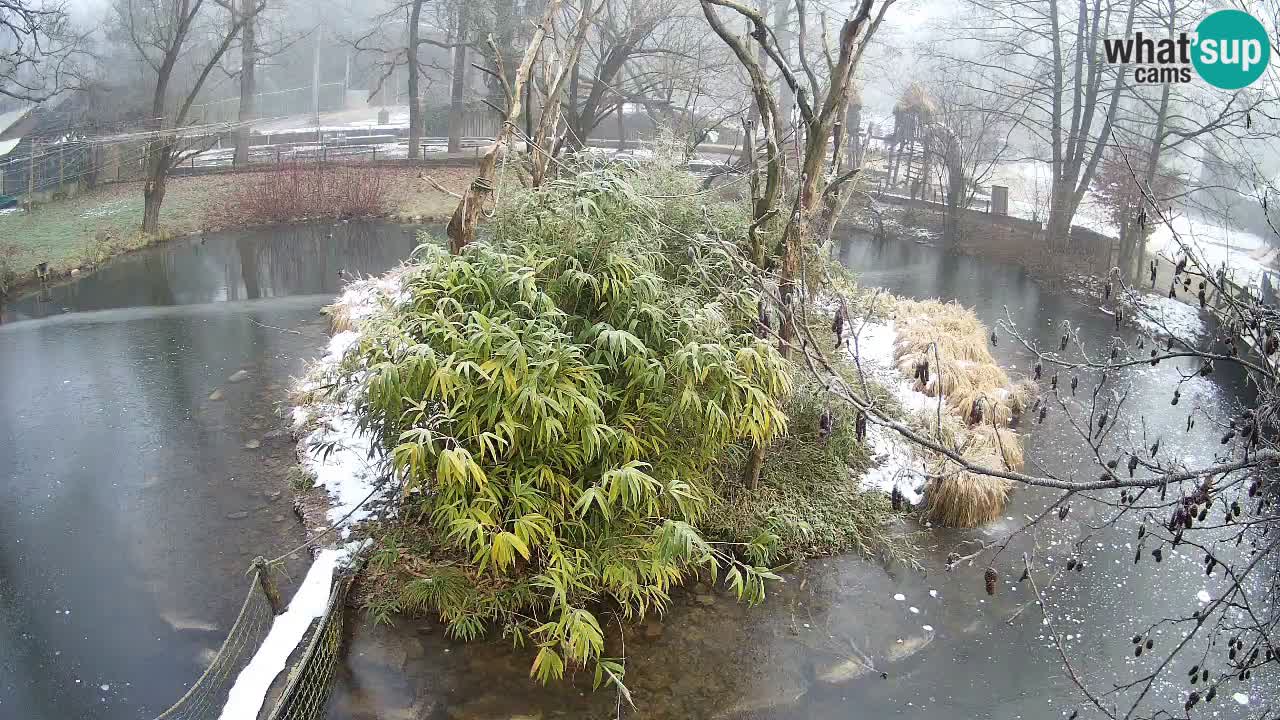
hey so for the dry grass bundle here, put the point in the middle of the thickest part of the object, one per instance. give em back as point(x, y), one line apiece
point(952, 342)
point(963, 499)
point(340, 317)
point(957, 498)
point(962, 369)
point(1001, 443)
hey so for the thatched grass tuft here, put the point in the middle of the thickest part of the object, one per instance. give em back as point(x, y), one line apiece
point(961, 367)
point(951, 340)
point(340, 319)
point(963, 499)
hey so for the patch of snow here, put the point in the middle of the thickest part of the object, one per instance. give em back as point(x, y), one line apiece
point(337, 452)
point(345, 471)
point(106, 209)
point(1241, 698)
point(899, 597)
point(287, 630)
point(1162, 315)
point(1203, 596)
point(7, 119)
point(1211, 242)
point(897, 466)
point(927, 628)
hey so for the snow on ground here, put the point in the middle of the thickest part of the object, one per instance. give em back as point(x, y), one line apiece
point(1213, 243)
point(11, 117)
point(1029, 182)
point(287, 631)
point(339, 121)
point(106, 209)
point(1160, 316)
point(897, 464)
point(337, 453)
point(894, 227)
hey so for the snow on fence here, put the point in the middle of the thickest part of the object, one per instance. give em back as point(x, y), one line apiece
point(238, 682)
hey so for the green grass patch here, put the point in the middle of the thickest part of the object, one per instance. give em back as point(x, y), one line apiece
point(89, 228)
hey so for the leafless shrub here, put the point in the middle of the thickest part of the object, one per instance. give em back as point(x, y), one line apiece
point(297, 191)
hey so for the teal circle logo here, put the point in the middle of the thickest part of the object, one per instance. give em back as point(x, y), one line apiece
point(1231, 49)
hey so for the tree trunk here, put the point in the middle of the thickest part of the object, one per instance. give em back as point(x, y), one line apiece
point(786, 98)
point(415, 105)
point(466, 216)
point(853, 127)
point(751, 475)
point(1058, 228)
point(248, 85)
point(1129, 244)
point(542, 138)
point(158, 156)
point(622, 127)
point(457, 90)
point(1138, 235)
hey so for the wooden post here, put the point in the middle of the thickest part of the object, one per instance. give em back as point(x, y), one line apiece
point(31, 176)
point(268, 584)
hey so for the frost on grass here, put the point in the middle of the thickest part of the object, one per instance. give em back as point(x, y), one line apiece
point(340, 456)
point(1162, 316)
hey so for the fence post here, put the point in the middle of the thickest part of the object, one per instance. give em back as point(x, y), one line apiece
point(31, 178)
point(268, 584)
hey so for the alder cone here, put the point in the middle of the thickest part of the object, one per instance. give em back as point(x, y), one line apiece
point(991, 577)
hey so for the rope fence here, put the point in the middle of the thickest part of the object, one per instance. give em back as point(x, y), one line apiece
point(208, 694)
point(306, 687)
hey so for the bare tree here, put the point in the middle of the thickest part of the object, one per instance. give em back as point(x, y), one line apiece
point(248, 81)
point(458, 81)
point(395, 49)
point(822, 103)
point(162, 32)
point(1044, 62)
point(37, 49)
point(462, 225)
point(598, 85)
point(555, 70)
point(968, 138)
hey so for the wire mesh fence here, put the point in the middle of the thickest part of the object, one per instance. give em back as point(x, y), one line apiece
point(307, 692)
point(208, 694)
point(306, 688)
point(292, 101)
